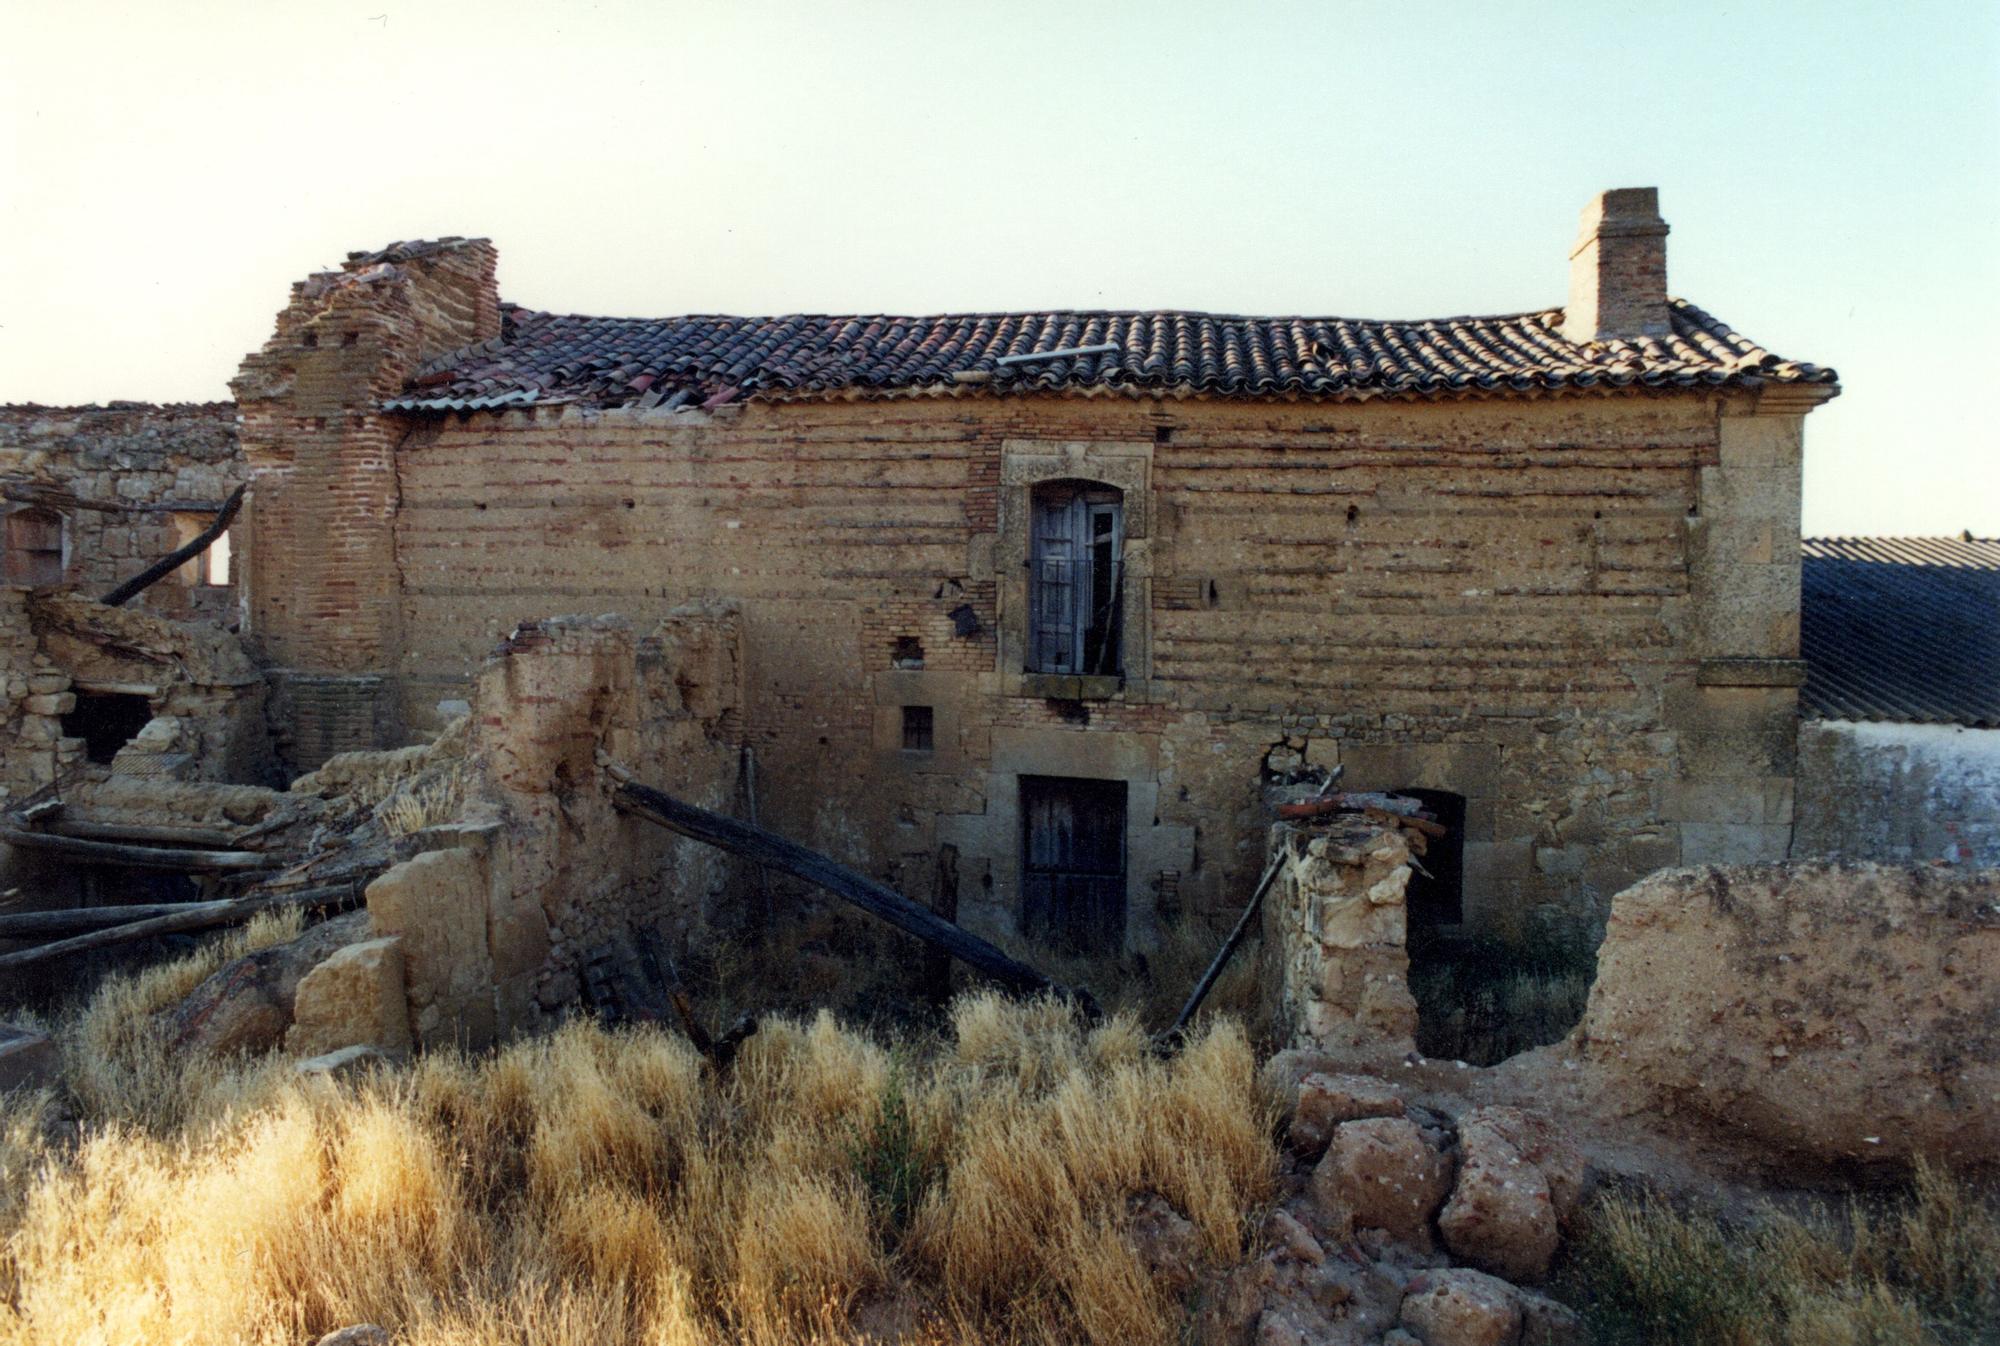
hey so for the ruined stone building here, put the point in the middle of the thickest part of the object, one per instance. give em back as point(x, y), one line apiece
point(1046, 592)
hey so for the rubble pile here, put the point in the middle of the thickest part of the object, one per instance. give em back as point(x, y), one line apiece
point(1398, 1224)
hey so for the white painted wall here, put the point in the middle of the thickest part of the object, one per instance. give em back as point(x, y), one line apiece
point(1897, 792)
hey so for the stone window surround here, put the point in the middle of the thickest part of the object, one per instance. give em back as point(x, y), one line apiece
point(1127, 466)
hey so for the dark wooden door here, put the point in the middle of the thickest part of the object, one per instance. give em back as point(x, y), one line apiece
point(1073, 863)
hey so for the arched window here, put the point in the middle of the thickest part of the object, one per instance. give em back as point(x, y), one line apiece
point(1075, 599)
point(35, 547)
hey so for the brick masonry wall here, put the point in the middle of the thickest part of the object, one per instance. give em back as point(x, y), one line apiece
point(154, 465)
point(324, 588)
point(1508, 599)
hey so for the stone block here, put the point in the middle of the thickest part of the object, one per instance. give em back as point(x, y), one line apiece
point(437, 902)
point(354, 998)
point(1348, 921)
point(56, 703)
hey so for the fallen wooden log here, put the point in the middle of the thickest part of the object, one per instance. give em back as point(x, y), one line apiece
point(141, 857)
point(173, 560)
point(82, 920)
point(223, 911)
point(235, 909)
point(768, 848)
point(165, 834)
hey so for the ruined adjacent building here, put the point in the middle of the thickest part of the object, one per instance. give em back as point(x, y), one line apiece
point(1034, 599)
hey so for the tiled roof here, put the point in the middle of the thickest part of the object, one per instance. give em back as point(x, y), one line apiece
point(1897, 628)
point(705, 360)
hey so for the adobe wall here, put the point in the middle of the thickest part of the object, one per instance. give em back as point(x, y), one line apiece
point(1581, 613)
point(1899, 793)
point(1829, 1012)
point(135, 469)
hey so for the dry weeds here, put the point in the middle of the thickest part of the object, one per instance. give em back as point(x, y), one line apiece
point(1918, 1269)
point(594, 1186)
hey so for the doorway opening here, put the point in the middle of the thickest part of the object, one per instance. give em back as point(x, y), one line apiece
point(106, 722)
point(1437, 897)
point(1073, 864)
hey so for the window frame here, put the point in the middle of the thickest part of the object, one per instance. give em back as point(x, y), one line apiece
point(1076, 532)
point(19, 569)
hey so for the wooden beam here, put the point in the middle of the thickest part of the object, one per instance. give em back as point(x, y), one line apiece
point(83, 920)
point(140, 857)
point(167, 564)
point(1172, 1036)
point(768, 848)
point(221, 914)
point(163, 833)
point(118, 924)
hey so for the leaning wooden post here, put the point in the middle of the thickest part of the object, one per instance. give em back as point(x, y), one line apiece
point(1223, 955)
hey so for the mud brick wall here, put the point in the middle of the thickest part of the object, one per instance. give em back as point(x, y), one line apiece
point(141, 475)
point(324, 610)
point(1580, 613)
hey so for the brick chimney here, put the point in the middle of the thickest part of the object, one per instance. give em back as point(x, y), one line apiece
point(1618, 269)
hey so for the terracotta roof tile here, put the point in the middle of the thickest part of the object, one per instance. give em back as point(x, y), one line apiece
point(608, 362)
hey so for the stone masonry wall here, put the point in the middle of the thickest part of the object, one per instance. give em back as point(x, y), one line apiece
point(139, 476)
point(1334, 939)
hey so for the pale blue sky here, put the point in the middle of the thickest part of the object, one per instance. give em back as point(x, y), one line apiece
point(1831, 172)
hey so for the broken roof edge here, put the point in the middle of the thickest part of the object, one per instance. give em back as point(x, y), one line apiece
point(1133, 392)
point(713, 359)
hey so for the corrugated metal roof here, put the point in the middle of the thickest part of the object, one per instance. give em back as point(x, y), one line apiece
point(1902, 628)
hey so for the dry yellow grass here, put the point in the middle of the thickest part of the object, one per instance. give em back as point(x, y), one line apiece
point(612, 1187)
point(1918, 1269)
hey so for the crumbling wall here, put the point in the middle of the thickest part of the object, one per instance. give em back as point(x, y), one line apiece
point(1334, 939)
point(129, 481)
point(1900, 793)
point(325, 603)
point(1828, 1012)
point(535, 873)
point(204, 697)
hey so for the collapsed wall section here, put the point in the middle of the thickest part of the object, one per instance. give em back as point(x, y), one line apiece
point(1829, 1012)
point(325, 608)
point(500, 917)
point(96, 494)
point(123, 690)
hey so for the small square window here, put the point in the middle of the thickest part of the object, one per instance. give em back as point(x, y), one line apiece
point(918, 732)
